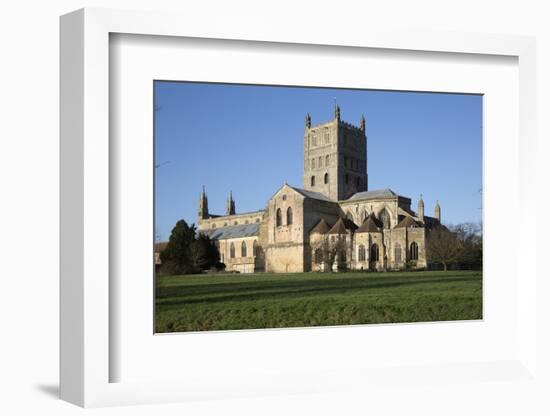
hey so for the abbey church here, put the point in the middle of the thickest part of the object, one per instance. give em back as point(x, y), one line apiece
point(333, 222)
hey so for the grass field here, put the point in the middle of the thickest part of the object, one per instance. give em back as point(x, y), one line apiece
point(223, 302)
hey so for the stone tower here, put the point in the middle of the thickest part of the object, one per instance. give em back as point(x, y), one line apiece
point(203, 206)
point(437, 211)
point(420, 210)
point(335, 157)
point(230, 207)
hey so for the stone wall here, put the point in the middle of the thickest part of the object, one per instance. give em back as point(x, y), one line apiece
point(231, 220)
point(243, 264)
point(285, 258)
point(285, 241)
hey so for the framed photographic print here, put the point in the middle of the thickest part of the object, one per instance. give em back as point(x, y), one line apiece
point(330, 244)
point(245, 215)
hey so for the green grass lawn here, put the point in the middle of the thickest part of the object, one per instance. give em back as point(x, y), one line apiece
point(223, 302)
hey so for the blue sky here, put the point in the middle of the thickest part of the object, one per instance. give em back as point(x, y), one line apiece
point(249, 139)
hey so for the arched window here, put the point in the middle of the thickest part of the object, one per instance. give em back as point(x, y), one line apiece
point(279, 218)
point(320, 162)
point(385, 218)
point(312, 163)
point(342, 256)
point(289, 216)
point(255, 248)
point(374, 252)
point(318, 256)
point(397, 252)
point(413, 252)
point(232, 251)
point(361, 255)
point(313, 181)
point(243, 249)
point(326, 177)
point(327, 160)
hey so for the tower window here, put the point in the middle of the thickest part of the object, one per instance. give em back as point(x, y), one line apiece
point(320, 162)
point(278, 218)
point(326, 177)
point(327, 160)
point(413, 255)
point(312, 163)
point(289, 216)
point(346, 178)
point(313, 181)
point(358, 181)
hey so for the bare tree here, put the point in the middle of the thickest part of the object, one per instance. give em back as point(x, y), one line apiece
point(328, 249)
point(470, 236)
point(443, 246)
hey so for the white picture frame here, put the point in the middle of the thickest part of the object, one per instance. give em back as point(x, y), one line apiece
point(87, 356)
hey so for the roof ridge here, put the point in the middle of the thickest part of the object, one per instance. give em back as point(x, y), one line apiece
point(407, 222)
point(370, 225)
point(380, 193)
point(338, 227)
point(322, 227)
